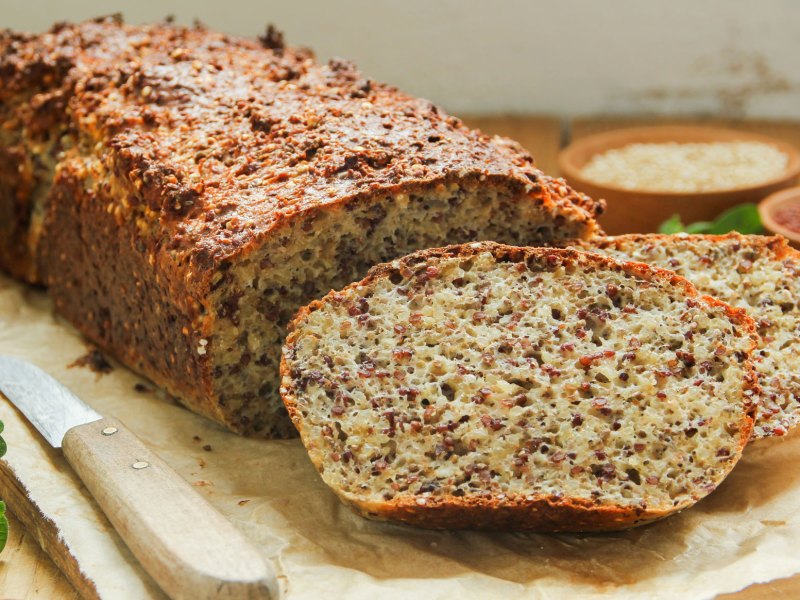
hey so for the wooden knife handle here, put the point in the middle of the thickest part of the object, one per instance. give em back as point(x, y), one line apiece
point(188, 547)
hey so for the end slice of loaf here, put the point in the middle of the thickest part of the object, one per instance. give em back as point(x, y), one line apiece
point(488, 386)
point(754, 272)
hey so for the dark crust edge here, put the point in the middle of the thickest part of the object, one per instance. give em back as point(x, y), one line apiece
point(777, 245)
point(541, 513)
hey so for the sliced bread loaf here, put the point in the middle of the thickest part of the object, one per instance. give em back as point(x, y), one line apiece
point(488, 386)
point(757, 273)
point(182, 193)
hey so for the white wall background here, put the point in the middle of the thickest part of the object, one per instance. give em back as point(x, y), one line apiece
point(731, 58)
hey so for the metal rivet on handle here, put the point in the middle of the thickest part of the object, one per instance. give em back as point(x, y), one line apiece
point(140, 465)
point(110, 430)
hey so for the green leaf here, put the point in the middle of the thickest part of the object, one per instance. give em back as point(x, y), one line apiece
point(671, 225)
point(699, 227)
point(2, 441)
point(3, 526)
point(743, 218)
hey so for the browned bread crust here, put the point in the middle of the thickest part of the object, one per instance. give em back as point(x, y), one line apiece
point(177, 155)
point(558, 512)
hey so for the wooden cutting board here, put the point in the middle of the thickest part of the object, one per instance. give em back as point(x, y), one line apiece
point(26, 572)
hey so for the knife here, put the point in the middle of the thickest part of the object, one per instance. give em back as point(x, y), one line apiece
point(188, 547)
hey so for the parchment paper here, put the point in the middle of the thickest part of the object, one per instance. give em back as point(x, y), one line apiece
point(745, 532)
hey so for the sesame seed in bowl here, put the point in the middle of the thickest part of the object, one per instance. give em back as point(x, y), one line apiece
point(649, 174)
point(687, 167)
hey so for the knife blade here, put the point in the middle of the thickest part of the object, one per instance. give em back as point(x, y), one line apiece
point(48, 405)
point(184, 543)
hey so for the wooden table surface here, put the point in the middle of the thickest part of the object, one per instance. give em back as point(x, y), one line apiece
point(27, 573)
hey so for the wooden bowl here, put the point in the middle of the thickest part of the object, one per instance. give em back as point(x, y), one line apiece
point(772, 204)
point(641, 212)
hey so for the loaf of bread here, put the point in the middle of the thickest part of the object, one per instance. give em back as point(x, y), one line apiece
point(488, 386)
point(757, 273)
point(182, 193)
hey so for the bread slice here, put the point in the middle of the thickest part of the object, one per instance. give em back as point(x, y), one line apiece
point(487, 386)
point(754, 272)
point(182, 193)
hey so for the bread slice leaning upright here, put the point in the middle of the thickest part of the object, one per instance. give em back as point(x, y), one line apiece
point(488, 386)
point(757, 273)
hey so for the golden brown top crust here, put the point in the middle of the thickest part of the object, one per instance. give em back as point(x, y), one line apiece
point(222, 138)
point(776, 244)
